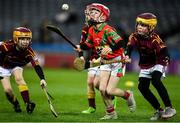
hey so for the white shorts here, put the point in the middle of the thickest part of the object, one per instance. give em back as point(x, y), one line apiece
point(93, 70)
point(147, 73)
point(116, 69)
point(7, 72)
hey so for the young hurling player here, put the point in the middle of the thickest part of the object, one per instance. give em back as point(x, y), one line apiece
point(154, 58)
point(14, 55)
point(93, 73)
point(107, 43)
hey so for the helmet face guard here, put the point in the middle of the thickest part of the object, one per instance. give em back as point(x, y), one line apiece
point(104, 12)
point(87, 14)
point(147, 19)
point(22, 33)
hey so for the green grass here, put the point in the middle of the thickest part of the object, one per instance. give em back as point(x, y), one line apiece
point(68, 87)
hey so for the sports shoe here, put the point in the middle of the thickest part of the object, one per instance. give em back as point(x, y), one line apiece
point(114, 102)
point(169, 112)
point(131, 101)
point(30, 107)
point(109, 116)
point(157, 115)
point(17, 108)
point(89, 110)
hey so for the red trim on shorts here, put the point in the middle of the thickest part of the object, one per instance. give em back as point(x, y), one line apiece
point(119, 74)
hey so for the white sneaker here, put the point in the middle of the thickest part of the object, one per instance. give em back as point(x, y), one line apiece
point(109, 116)
point(169, 112)
point(157, 115)
point(131, 101)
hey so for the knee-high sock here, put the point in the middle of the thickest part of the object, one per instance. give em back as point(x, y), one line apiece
point(91, 99)
point(146, 92)
point(126, 95)
point(110, 109)
point(11, 98)
point(24, 93)
point(162, 91)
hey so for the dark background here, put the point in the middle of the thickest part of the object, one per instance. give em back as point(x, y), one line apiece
point(33, 13)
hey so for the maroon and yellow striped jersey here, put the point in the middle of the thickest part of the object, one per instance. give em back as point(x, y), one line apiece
point(149, 49)
point(105, 35)
point(10, 57)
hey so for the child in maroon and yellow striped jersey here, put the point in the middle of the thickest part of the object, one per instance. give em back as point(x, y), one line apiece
point(14, 55)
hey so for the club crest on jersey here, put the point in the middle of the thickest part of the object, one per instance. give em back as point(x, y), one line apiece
point(98, 40)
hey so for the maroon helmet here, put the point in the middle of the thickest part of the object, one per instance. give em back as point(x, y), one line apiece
point(21, 32)
point(148, 19)
point(22, 37)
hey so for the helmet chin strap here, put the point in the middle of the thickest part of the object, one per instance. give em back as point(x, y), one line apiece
point(147, 35)
point(92, 22)
point(19, 48)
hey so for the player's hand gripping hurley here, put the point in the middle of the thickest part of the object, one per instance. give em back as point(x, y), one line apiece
point(79, 64)
point(49, 97)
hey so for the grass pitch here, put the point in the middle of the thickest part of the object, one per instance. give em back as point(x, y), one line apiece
point(68, 87)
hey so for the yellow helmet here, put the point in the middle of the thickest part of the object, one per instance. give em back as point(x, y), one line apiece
point(148, 19)
point(21, 32)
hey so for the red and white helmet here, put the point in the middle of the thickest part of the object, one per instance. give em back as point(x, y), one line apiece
point(105, 12)
point(86, 12)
